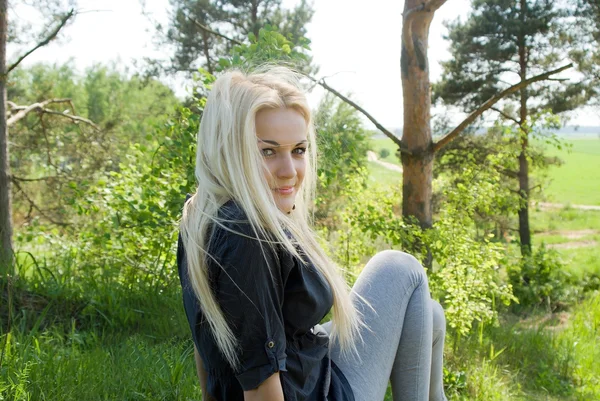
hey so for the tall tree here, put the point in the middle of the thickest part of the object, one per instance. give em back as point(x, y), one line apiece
point(5, 200)
point(584, 36)
point(203, 31)
point(417, 145)
point(503, 42)
point(59, 20)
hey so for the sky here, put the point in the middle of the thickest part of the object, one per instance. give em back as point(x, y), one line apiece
point(355, 43)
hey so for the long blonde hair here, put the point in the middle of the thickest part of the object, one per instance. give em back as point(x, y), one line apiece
point(229, 165)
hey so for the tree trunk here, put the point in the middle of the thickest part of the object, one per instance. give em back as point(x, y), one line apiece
point(524, 231)
point(205, 46)
point(255, 28)
point(417, 159)
point(6, 228)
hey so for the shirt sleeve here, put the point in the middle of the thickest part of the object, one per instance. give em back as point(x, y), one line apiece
point(249, 289)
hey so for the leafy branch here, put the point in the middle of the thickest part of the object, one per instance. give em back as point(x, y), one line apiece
point(493, 100)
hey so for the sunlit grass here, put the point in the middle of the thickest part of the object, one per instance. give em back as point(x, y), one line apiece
point(576, 181)
point(385, 143)
point(383, 176)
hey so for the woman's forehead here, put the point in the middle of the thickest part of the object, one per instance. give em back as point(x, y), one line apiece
point(282, 126)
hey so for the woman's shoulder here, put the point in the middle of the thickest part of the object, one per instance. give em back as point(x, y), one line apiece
point(232, 228)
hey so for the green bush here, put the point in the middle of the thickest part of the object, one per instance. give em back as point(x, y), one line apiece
point(384, 153)
point(542, 280)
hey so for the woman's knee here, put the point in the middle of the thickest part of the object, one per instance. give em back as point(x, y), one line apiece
point(397, 265)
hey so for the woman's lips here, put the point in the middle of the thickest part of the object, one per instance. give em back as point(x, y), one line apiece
point(285, 190)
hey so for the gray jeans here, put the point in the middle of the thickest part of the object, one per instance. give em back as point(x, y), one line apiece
point(404, 341)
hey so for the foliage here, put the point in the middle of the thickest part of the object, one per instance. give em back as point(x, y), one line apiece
point(50, 153)
point(343, 144)
point(501, 43)
point(542, 280)
point(364, 223)
point(497, 149)
point(584, 37)
point(383, 153)
point(485, 52)
point(468, 276)
point(196, 46)
point(135, 208)
point(268, 47)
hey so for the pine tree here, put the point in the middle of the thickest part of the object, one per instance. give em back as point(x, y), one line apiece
point(203, 31)
point(502, 42)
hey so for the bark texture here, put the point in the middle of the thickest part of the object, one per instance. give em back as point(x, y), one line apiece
point(417, 161)
point(524, 231)
point(6, 226)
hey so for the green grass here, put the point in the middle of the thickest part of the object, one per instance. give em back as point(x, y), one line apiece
point(577, 181)
point(82, 366)
point(564, 219)
point(383, 176)
point(386, 143)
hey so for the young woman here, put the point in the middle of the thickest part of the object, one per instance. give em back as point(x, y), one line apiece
point(256, 284)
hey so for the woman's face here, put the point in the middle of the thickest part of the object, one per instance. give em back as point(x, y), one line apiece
point(282, 139)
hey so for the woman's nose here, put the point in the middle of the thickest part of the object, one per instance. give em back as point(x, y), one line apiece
point(286, 168)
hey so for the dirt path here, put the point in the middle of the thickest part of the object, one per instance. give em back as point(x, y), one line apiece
point(548, 206)
point(572, 235)
point(372, 157)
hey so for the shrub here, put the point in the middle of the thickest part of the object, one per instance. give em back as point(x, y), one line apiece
point(384, 153)
point(542, 280)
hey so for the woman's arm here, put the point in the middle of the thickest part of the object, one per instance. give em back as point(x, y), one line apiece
point(269, 390)
point(202, 375)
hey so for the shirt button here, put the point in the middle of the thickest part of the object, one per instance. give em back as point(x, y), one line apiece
point(270, 344)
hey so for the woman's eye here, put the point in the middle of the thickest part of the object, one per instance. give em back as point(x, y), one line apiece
point(300, 151)
point(267, 152)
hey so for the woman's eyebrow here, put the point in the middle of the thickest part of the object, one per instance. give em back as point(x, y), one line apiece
point(276, 144)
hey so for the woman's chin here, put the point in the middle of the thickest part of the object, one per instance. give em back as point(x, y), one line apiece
point(285, 207)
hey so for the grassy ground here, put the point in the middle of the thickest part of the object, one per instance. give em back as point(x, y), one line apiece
point(385, 143)
point(381, 175)
point(578, 180)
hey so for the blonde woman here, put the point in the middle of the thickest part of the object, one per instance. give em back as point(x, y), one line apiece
point(256, 284)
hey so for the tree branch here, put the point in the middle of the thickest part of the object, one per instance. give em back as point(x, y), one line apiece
point(41, 107)
point(213, 32)
point(380, 127)
point(36, 207)
point(14, 177)
point(24, 110)
point(75, 119)
point(430, 6)
point(44, 42)
point(493, 100)
point(505, 115)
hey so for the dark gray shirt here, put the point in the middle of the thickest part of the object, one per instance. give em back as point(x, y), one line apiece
point(273, 302)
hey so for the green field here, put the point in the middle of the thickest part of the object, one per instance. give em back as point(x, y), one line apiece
point(577, 181)
point(386, 143)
